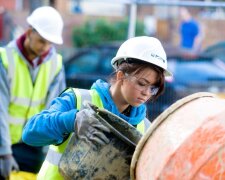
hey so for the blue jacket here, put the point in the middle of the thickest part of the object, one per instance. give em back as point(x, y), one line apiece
point(53, 125)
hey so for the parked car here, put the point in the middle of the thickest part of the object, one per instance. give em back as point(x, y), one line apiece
point(190, 75)
point(90, 64)
point(216, 50)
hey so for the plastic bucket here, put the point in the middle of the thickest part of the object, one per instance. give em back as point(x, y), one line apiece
point(187, 141)
point(112, 161)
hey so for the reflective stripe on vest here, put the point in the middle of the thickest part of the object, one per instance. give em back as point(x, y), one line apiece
point(49, 169)
point(55, 152)
point(143, 126)
point(26, 98)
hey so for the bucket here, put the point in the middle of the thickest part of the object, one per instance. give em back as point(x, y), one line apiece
point(112, 161)
point(187, 141)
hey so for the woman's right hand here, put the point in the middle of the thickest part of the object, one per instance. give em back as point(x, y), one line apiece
point(89, 128)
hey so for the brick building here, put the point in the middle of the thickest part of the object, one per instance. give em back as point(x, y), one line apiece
point(166, 19)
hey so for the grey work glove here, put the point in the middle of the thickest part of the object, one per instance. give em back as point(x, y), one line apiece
point(89, 128)
point(7, 164)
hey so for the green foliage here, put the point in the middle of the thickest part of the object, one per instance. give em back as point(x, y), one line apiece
point(96, 32)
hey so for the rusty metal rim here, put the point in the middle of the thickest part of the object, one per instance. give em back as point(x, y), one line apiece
point(160, 120)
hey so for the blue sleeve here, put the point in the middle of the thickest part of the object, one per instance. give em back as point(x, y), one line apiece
point(52, 125)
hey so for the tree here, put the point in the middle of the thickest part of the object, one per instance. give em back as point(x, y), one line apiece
point(96, 32)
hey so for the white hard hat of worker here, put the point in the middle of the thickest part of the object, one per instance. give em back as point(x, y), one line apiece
point(142, 48)
point(48, 23)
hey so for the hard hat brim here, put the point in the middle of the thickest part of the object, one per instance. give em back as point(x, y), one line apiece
point(115, 59)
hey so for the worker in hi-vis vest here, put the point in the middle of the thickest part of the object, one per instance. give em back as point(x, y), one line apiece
point(141, 67)
point(31, 75)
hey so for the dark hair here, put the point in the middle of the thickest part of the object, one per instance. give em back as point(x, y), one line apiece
point(131, 67)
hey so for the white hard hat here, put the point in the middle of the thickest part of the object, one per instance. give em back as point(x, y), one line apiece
point(143, 48)
point(48, 23)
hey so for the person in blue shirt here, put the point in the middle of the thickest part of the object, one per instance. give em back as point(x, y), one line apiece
point(140, 69)
point(190, 33)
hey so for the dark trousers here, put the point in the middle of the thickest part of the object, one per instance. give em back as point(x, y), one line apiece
point(29, 158)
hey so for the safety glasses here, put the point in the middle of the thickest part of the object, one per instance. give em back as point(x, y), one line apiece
point(141, 85)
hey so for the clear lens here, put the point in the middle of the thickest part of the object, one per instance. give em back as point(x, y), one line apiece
point(142, 86)
point(154, 90)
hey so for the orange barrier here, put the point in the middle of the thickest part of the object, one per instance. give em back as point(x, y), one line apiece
point(187, 141)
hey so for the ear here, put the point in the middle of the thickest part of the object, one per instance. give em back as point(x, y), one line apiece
point(28, 32)
point(119, 75)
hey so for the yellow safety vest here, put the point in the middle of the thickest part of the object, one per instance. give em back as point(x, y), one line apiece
point(26, 98)
point(49, 169)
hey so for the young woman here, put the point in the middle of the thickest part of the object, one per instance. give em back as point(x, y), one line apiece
point(141, 67)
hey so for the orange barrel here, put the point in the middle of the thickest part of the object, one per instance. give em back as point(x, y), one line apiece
point(187, 141)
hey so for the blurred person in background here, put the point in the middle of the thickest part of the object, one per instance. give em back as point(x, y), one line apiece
point(7, 26)
point(77, 6)
point(31, 75)
point(140, 69)
point(191, 34)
